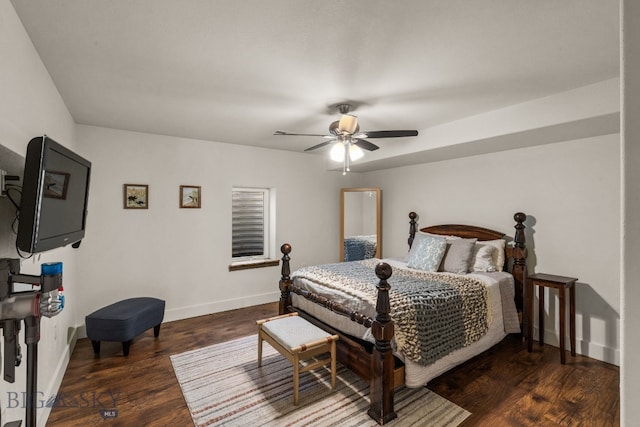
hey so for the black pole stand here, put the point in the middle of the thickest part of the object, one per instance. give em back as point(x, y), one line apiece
point(31, 338)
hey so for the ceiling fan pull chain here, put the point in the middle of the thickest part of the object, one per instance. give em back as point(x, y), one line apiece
point(346, 167)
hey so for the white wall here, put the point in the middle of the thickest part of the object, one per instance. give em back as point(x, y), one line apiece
point(570, 192)
point(182, 255)
point(360, 213)
point(630, 233)
point(369, 213)
point(30, 105)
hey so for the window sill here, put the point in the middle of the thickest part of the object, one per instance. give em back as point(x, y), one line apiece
point(247, 265)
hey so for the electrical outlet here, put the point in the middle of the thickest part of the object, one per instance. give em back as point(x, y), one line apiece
point(3, 181)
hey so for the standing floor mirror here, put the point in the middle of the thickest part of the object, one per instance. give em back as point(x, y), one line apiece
point(360, 224)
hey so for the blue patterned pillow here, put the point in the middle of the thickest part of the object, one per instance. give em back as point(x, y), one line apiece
point(426, 252)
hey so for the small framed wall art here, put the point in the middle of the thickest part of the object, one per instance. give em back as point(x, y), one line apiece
point(55, 185)
point(190, 196)
point(136, 196)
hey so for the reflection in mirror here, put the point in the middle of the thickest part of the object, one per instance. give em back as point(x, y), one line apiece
point(360, 224)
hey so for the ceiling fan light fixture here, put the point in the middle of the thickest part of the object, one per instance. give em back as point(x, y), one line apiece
point(346, 139)
point(347, 124)
point(337, 152)
point(355, 152)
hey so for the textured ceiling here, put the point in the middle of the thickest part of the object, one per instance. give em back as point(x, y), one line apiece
point(235, 71)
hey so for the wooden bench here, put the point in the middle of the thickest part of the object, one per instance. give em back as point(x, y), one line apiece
point(298, 340)
point(124, 320)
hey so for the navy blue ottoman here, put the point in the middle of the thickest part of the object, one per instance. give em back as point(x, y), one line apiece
point(124, 320)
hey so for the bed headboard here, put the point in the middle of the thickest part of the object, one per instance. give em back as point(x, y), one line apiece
point(515, 254)
point(464, 231)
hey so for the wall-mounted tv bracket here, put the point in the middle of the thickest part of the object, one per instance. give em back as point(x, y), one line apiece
point(30, 306)
point(3, 181)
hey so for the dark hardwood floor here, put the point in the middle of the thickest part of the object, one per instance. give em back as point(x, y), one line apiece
point(505, 386)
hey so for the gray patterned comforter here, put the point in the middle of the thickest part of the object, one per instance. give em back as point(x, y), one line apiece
point(434, 314)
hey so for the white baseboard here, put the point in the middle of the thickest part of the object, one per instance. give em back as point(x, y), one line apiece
point(56, 380)
point(218, 306)
point(585, 348)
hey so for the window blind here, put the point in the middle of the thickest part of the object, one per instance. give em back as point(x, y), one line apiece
point(248, 222)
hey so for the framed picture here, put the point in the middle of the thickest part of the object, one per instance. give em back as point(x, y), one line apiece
point(189, 196)
point(55, 185)
point(136, 196)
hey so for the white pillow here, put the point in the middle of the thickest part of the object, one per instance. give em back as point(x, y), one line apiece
point(482, 258)
point(497, 255)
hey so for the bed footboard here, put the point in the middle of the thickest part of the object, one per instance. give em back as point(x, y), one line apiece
point(382, 363)
point(379, 366)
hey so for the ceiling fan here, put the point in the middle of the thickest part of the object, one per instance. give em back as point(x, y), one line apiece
point(347, 139)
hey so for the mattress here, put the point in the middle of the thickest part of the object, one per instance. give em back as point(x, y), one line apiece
point(503, 319)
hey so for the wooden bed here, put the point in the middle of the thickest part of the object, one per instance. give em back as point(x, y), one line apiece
point(375, 363)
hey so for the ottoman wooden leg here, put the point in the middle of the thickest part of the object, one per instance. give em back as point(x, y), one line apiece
point(296, 378)
point(333, 364)
point(125, 347)
point(156, 330)
point(96, 346)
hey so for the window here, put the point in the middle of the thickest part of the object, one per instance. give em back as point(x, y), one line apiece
point(252, 224)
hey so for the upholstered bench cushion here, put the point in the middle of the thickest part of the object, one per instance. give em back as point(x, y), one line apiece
point(293, 331)
point(124, 320)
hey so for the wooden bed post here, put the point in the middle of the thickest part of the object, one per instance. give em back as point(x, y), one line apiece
point(285, 280)
point(519, 254)
point(382, 379)
point(412, 227)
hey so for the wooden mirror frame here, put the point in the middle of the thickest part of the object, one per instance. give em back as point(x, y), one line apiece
point(378, 193)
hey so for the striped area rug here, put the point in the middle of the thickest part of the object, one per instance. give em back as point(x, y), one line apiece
point(223, 385)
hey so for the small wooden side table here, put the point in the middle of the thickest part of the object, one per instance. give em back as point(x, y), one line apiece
point(561, 283)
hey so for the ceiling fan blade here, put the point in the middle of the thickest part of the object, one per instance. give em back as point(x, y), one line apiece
point(388, 133)
point(319, 145)
point(281, 132)
point(365, 144)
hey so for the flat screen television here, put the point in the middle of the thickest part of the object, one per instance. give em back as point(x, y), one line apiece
point(55, 193)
